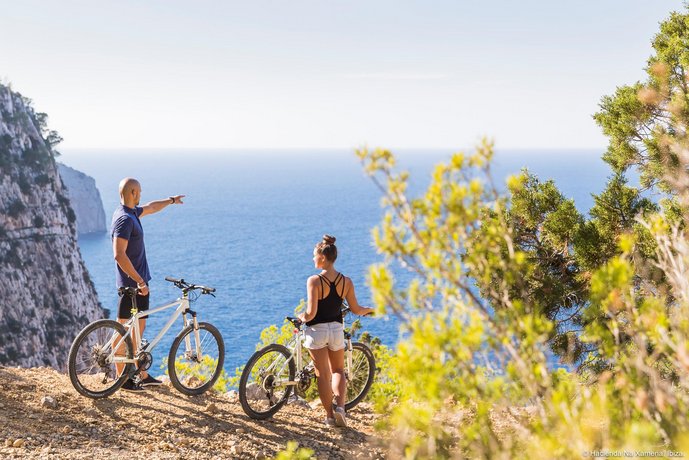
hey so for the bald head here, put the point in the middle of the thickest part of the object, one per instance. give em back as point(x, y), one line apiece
point(130, 191)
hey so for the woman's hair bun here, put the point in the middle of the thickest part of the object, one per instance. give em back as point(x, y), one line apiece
point(328, 239)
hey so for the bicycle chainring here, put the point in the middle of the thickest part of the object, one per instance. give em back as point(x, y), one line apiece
point(144, 361)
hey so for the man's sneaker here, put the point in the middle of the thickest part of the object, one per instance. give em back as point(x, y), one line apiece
point(129, 385)
point(329, 421)
point(340, 416)
point(150, 381)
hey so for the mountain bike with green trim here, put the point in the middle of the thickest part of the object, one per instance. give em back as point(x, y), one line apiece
point(276, 371)
point(195, 360)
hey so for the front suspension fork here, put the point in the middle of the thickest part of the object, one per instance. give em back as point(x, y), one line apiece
point(187, 338)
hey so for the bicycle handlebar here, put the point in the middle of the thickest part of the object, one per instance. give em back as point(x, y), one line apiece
point(345, 309)
point(295, 321)
point(185, 286)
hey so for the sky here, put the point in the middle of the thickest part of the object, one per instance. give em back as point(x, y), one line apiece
point(322, 74)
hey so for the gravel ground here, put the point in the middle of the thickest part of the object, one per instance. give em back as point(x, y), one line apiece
point(42, 416)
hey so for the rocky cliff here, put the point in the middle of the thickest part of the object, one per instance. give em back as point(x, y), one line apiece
point(85, 200)
point(46, 294)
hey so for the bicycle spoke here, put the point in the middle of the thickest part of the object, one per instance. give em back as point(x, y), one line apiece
point(205, 340)
point(194, 371)
point(358, 375)
point(265, 386)
point(92, 371)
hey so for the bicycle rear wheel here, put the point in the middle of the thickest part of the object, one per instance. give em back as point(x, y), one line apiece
point(190, 372)
point(360, 376)
point(262, 387)
point(90, 366)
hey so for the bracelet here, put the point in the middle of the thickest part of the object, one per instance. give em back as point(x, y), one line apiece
point(173, 199)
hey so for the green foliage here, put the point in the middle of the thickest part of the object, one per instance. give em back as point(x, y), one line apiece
point(545, 226)
point(42, 148)
point(294, 452)
point(199, 371)
point(456, 232)
point(385, 389)
point(471, 373)
point(640, 119)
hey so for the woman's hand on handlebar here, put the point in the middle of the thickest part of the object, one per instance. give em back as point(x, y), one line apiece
point(368, 311)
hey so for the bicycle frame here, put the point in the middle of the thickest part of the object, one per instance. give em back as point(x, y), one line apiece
point(295, 345)
point(132, 325)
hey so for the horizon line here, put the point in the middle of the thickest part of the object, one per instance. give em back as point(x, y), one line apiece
point(450, 149)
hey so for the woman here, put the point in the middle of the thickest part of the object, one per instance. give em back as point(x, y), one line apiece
point(324, 328)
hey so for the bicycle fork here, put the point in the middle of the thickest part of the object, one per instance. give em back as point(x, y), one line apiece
point(187, 338)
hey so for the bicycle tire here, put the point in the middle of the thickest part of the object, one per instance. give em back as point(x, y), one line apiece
point(74, 350)
point(371, 362)
point(246, 373)
point(172, 370)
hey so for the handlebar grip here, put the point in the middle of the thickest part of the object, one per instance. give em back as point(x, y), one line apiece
point(171, 279)
point(210, 289)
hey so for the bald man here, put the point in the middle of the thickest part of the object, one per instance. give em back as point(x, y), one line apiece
point(130, 257)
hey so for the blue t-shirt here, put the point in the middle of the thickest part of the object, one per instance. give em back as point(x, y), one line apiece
point(126, 224)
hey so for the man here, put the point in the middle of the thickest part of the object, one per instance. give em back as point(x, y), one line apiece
point(130, 256)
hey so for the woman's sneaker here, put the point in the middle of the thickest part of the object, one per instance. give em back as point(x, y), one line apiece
point(150, 381)
point(340, 416)
point(329, 421)
point(130, 385)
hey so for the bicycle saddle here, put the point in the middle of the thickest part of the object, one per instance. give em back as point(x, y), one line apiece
point(130, 291)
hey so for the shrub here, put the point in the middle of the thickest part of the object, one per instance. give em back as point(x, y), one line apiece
point(15, 208)
point(294, 452)
point(468, 363)
point(198, 370)
point(24, 184)
point(42, 179)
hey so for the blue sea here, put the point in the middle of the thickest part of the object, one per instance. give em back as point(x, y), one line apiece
point(251, 218)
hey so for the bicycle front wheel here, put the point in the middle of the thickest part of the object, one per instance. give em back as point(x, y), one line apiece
point(263, 387)
point(90, 363)
point(194, 365)
point(360, 375)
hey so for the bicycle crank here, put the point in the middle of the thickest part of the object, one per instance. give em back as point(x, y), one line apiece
point(144, 360)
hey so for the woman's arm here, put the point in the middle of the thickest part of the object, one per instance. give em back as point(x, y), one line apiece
point(311, 299)
point(350, 295)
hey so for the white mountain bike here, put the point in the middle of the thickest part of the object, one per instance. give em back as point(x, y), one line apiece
point(273, 372)
point(195, 360)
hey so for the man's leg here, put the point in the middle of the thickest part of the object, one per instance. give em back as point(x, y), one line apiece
point(142, 327)
point(123, 314)
point(121, 350)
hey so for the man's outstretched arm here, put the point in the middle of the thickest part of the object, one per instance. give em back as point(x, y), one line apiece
point(159, 205)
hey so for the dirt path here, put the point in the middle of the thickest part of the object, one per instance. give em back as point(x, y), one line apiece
point(160, 423)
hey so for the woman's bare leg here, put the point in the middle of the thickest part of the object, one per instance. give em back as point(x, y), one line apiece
point(322, 365)
point(339, 383)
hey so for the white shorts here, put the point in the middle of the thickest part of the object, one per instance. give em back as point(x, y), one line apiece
point(323, 335)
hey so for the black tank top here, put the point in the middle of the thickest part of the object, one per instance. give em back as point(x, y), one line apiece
point(329, 308)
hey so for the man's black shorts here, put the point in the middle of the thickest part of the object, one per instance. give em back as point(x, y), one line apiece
point(124, 305)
